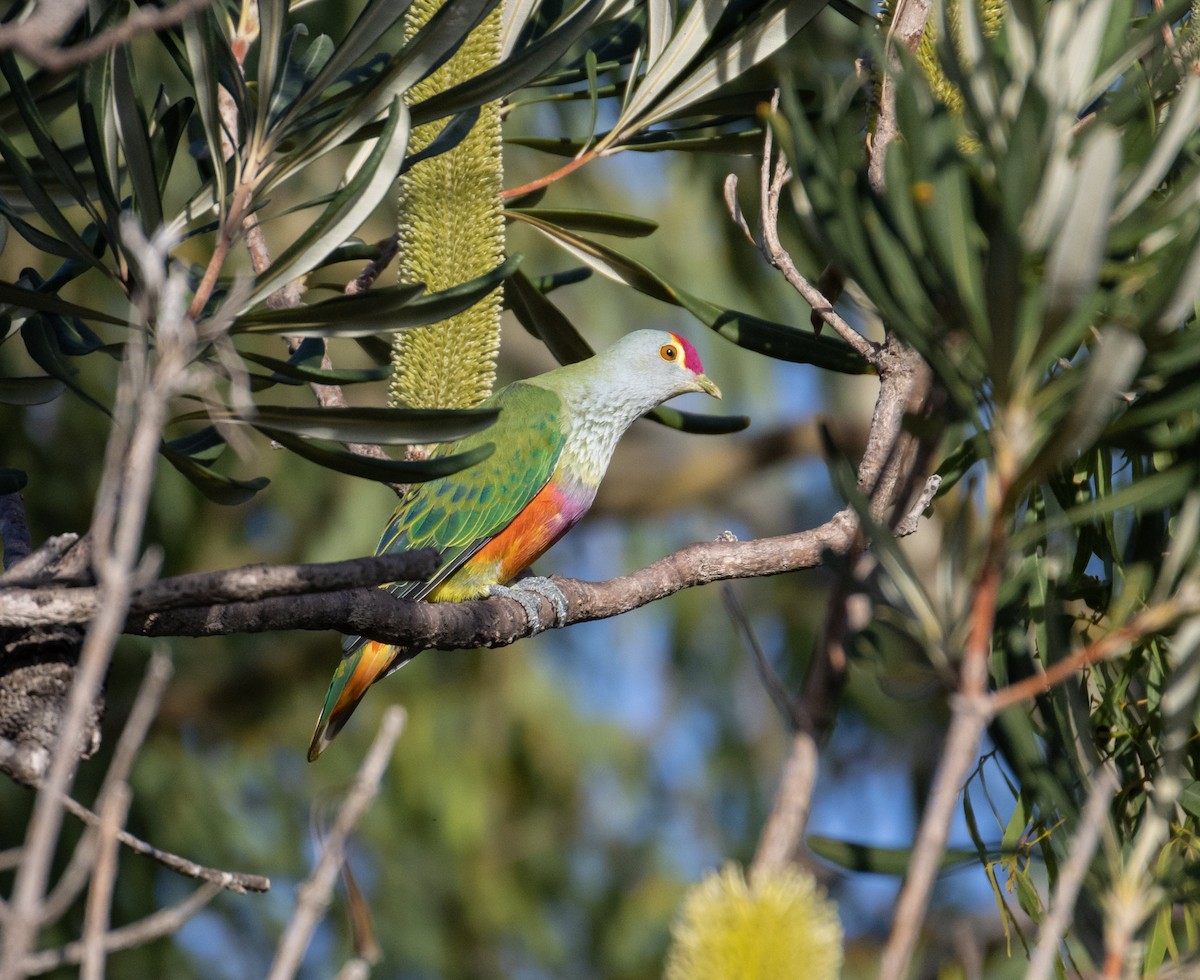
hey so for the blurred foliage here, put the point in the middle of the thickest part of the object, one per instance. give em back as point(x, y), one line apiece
point(1038, 245)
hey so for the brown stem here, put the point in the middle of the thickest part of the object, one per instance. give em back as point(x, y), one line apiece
point(513, 193)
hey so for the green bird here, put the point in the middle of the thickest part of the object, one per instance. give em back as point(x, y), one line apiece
point(554, 439)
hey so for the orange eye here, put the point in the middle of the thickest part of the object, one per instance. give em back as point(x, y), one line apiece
point(668, 352)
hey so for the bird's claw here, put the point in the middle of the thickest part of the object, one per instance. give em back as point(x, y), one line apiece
point(539, 586)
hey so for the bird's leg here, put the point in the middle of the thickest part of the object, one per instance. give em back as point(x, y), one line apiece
point(539, 586)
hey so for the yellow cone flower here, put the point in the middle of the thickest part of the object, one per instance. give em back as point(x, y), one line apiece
point(780, 926)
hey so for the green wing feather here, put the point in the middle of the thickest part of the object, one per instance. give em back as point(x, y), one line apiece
point(460, 513)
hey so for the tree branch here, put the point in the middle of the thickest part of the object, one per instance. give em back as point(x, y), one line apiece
point(316, 892)
point(38, 37)
point(25, 607)
point(161, 923)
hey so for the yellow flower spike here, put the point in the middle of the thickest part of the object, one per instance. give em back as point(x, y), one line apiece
point(779, 926)
point(451, 230)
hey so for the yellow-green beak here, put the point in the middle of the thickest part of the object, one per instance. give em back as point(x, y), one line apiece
point(705, 383)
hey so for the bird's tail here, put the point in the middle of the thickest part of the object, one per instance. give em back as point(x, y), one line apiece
point(362, 665)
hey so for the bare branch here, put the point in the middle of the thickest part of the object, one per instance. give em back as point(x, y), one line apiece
point(316, 892)
point(114, 808)
point(907, 26)
point(234, 881)
point(40, 563)
point(137, 724)
point(1071, 875)
point(38, 37)
point(165, 922)
point(774, 175)
point(48, 605)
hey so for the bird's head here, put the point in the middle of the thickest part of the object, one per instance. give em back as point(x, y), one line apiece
point(666, 362)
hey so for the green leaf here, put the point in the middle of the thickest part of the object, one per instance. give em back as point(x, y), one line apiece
point(602, 222)
point(544, 320)
point(698, 423)
point(12, 480)
point(215, 486)
point(41, 202)
point(511, 74)
point(753, 333)
point(31, 299)
point(878, 860)
point(135, 141)
point(378, 426)
point(374, 305)
point(384, 471)
point(202, 36)
point(351, 206)
point(751, 45)
point(30, 391)
point(297, 373)
point(430, 308)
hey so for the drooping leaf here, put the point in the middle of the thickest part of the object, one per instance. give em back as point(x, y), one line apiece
point(299, 373)
point(328, 322)
point(754, 333)
point(379, 426)
point(602, 222)
point(30, 391)
point(370, 468)
point(217, 487)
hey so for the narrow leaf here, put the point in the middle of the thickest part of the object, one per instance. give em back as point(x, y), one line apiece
point(378, 426)
point(349, 209)
point(30, 391)
point(383, 471)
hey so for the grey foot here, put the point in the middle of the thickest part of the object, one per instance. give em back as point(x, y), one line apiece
point(526, 592)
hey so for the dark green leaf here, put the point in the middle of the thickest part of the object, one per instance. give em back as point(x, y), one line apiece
point(384, 471)
point(513, 73)
point(12, 480)
point(777, 340)
point(430, 308)
point(48, 303)
point(380, 426)
point(545, 321)
point(215, 486)
point(602, 222)
point(135, 141)
point(877, 860)
point(697, 423)
point(30, 391)
point(299, 372)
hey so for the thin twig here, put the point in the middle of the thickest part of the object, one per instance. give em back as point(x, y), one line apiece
point(234, 881)
point(774, 174)
point(1071, 875)
point(145, 707)
point(37, 37)
point(316, 892)
point(147, 383)
point(98, 909)
point(164, 922)
point(907, 26)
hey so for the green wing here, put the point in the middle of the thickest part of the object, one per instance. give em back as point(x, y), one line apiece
point(460, 513)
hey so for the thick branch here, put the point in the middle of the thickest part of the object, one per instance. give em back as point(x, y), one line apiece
point(501, 621)
point(43, 606)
